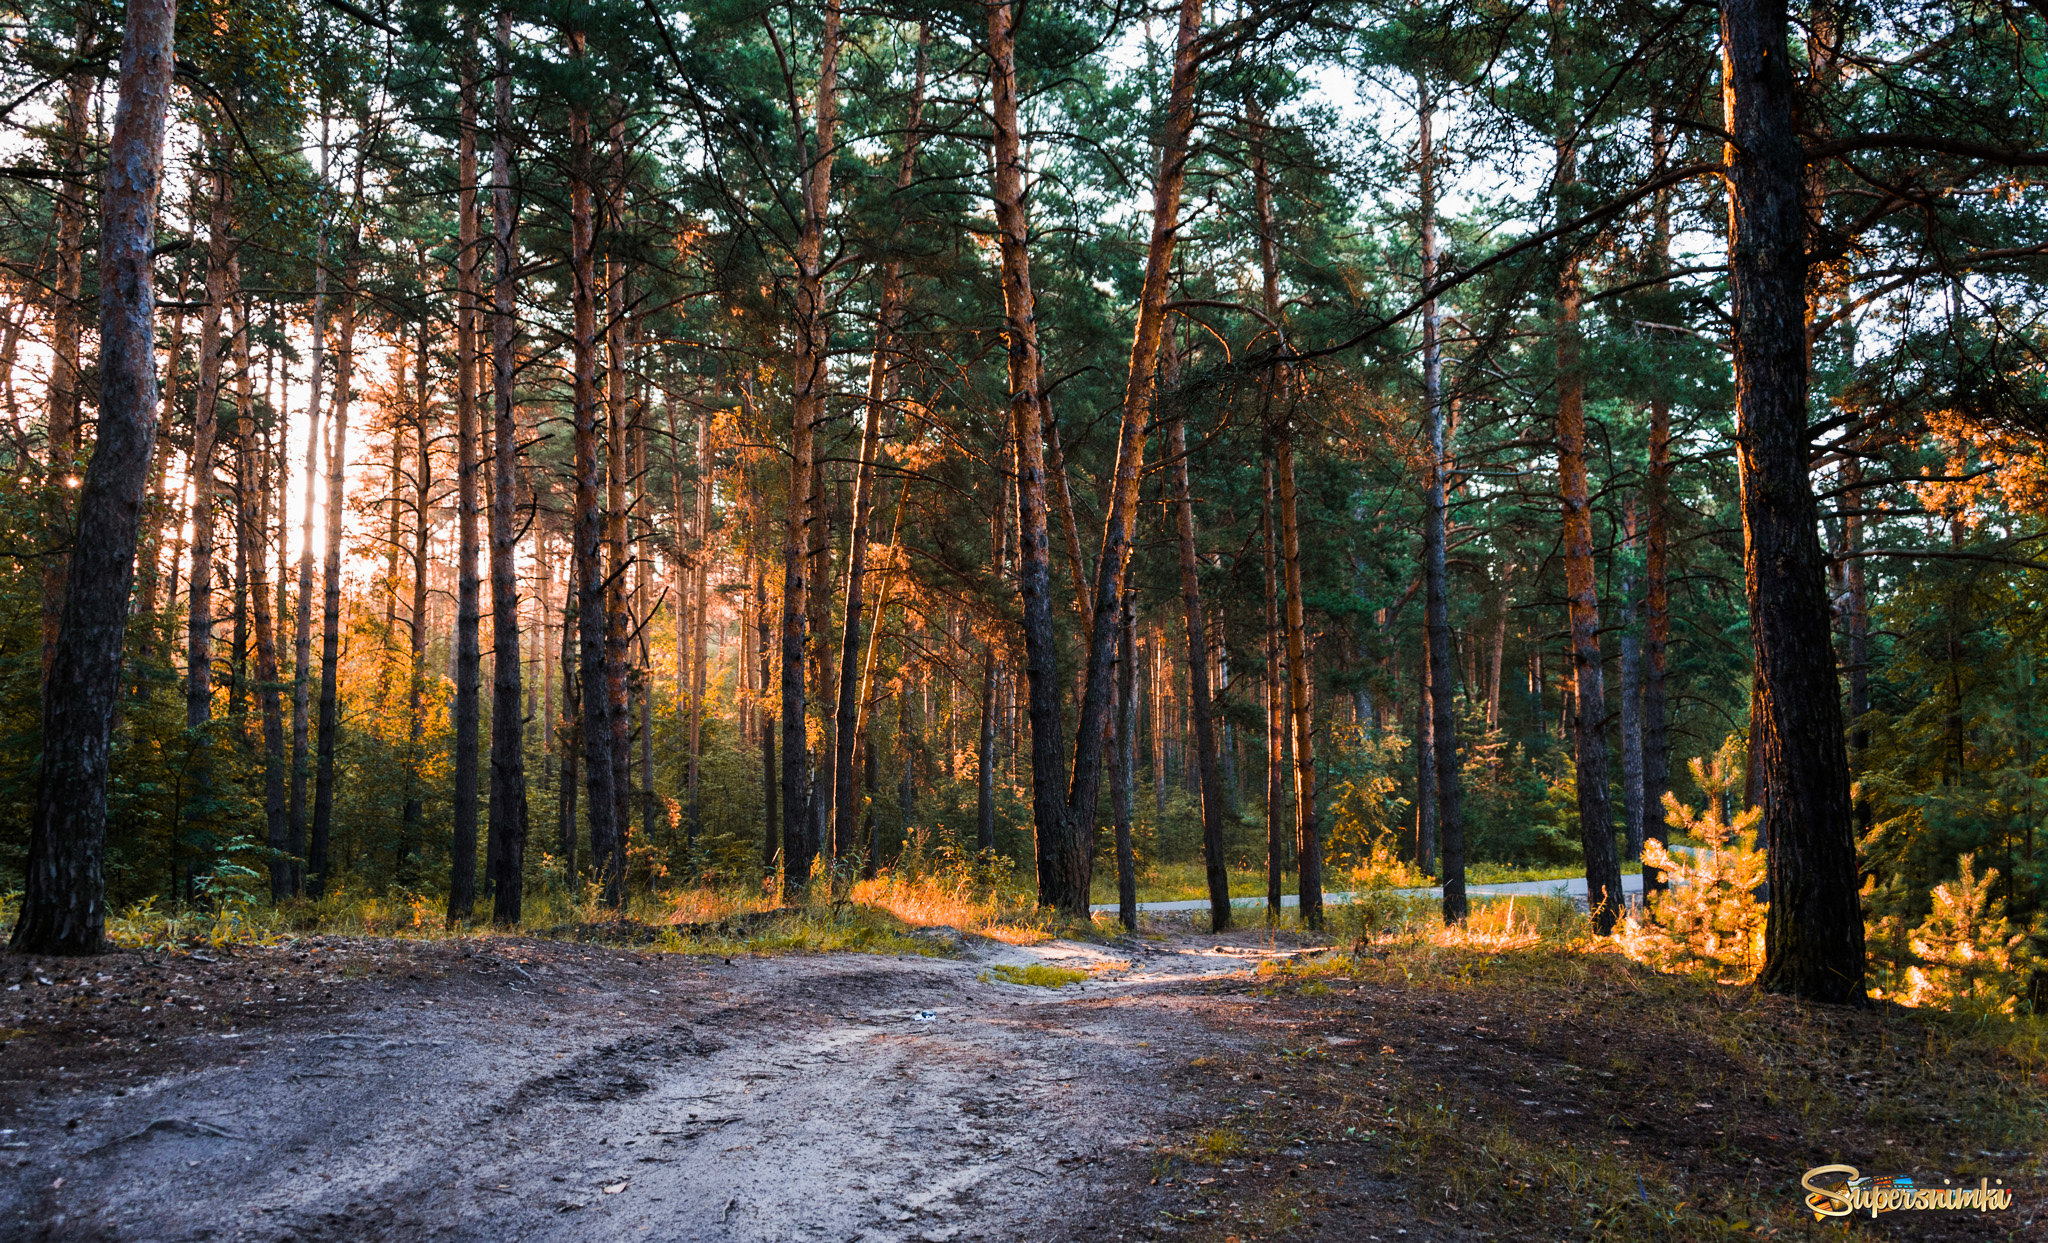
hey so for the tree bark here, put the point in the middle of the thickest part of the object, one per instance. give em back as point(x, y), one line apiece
point(1813, 938)
point(205, 433)
point(1589, 738)
point(66, 314)
point(412, 843)
point(1656, 560)
point(844, 808)
point(1056, 867)
point(807, 410)
point(468, 575)
point(1278, 820)
point(1436, 592)
point(330, 614)
point(1198, 686)
point(63, 908)
point(302, 625)
point(1426, 843)
point(596, 750)
point(508, 814)
point(1069, 865)
point(771, 840)
point(254, 511)
point(1123, 782)
point(1308, 847)
point(618, 620)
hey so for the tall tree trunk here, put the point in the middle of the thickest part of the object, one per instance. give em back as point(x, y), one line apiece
point(302, 624)
point(468, 575)
point(1656, 559)
point(1813, 938)
point(1426, 805)
point(1198, 679)
point(1065, 870)
point(596, 751)
point(63, 907)
point(255, 517)
point(1123, 780)
point(1436, 592)
point(571, 725)
point(771, 837)
point(1278, 821)
point(985, 755)
point(618, 623)
point(1308, 846)
point(66, 316)
point(700, 576)
point(1056, 868)
point(330, 611)
point(1589, 737)
point(412, 844)
point(844, 809)
point(205, 434)
point(807, 409)
point(1631, 671)
point(508, 814)
point(158, 517)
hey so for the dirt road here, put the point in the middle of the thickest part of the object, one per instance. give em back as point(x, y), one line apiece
point(513, 1089)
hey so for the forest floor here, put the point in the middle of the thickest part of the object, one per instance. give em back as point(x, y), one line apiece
point(1184, 1086)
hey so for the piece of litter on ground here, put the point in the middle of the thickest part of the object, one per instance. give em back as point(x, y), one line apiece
point(614, 1189)
point(924, 1016)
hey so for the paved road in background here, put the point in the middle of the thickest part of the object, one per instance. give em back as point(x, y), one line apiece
point(1574, 887)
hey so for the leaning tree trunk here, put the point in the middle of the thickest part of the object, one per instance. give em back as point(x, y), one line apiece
point(1056, 869)
point(1813, 938)
point(1443, 725)
point(1589, 738)
point(63, 902)
point(1066, 869)
point(468, 576)
point(508, 813)
point(807, 409)
point(599, 771)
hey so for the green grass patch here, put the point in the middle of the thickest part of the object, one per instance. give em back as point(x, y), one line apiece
point(1037, 975)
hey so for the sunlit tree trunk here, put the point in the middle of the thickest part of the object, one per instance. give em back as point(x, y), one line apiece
point(1813, 939)
point(508, 812)
point(63, 903)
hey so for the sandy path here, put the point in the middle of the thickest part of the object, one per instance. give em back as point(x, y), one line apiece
point(635, 1096)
